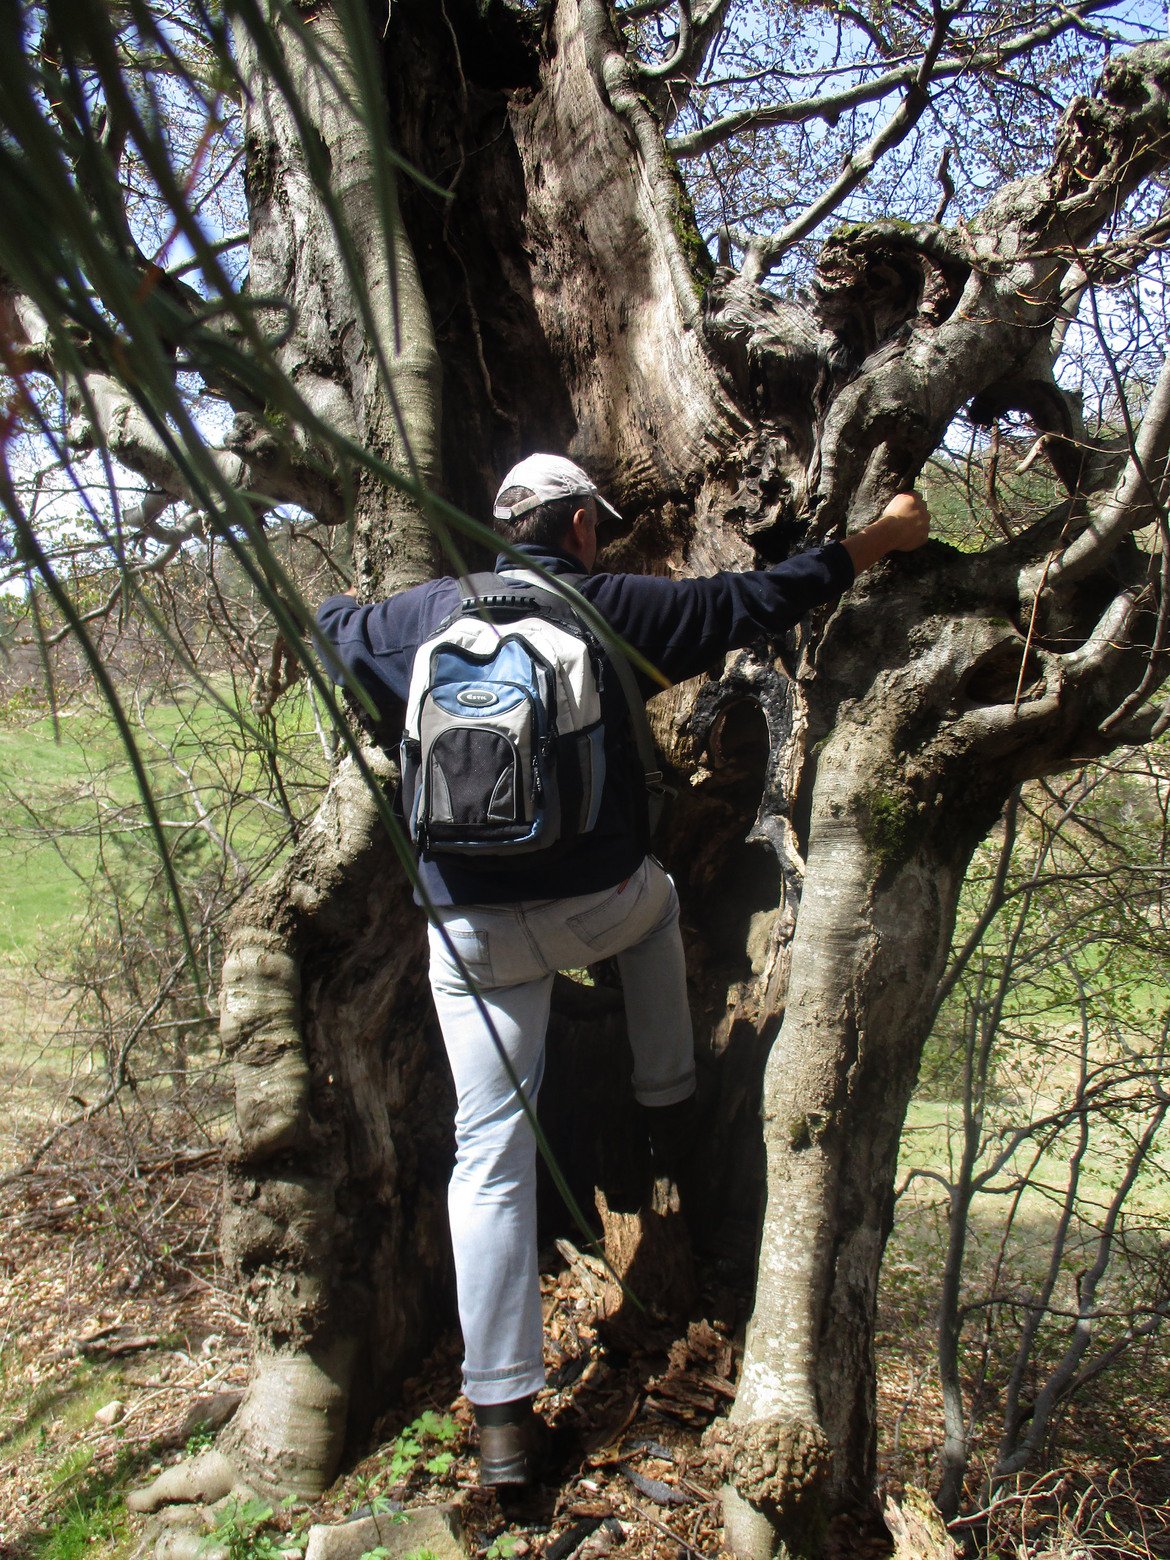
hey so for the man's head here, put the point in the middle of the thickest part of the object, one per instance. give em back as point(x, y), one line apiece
point(548, 501)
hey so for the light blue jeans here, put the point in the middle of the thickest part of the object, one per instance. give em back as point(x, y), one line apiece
point(511, 953)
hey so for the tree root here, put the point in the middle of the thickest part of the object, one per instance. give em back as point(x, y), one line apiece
point(290, 1428)
point(197, 1481)
point(182, 1505)
point(285, 1439)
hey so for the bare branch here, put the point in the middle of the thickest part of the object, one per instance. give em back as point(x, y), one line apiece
point(1138, 499)
point(678, 76)
point(675, 60)
point(117, 1077)
point(866, 24)
point(996, 899)
point(639, 9)
point(947, 184)
point(1063, 1378)
point(617, 79)
point(1110, 636)
point(829, 106)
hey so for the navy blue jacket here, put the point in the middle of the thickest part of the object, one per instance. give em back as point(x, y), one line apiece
point(682, 627)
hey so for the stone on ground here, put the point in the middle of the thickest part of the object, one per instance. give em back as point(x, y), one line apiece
point(436, 1528)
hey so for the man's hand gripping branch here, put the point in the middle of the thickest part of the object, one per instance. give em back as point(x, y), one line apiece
point(902, 526)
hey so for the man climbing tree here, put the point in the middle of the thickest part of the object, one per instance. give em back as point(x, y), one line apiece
point(468, 236)
point(515, 894)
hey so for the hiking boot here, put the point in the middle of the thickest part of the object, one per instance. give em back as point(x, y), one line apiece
point(511, 1454)
point(671, 1131)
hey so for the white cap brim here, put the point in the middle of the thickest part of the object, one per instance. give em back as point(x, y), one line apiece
point(548, 477)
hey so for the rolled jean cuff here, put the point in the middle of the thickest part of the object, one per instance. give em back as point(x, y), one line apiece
point(503, 1386)
point(667, 1093)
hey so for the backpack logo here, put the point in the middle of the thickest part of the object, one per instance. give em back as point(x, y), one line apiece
point(481, 698)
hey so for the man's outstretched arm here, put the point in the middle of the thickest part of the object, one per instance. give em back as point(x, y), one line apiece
point(683, 626)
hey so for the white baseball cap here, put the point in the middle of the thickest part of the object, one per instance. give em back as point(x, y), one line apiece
point(548, 477)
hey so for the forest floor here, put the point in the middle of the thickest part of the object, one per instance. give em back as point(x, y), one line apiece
point(119, 1341)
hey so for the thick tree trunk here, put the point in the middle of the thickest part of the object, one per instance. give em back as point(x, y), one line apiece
point(334, 1231)
point(336, 1224)
point(869, 946)
point(881, 879)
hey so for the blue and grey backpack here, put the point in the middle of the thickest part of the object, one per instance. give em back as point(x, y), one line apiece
point(503, 749)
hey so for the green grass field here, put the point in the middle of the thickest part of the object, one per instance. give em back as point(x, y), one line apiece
point(72, 802)
point(80, 877)
point(40, 885)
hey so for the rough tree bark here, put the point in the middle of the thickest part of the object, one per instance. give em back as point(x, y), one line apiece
point(563, 299)
point(333, 1227)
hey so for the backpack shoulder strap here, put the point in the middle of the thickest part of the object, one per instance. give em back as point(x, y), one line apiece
point(565, 598)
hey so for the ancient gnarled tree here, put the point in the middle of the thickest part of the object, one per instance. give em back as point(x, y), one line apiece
point(472, 231)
